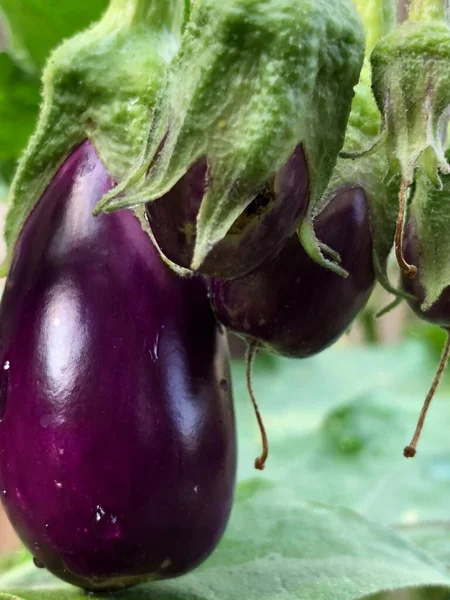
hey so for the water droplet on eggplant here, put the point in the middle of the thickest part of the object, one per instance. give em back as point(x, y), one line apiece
point(154, 352)
point(4, 381)
point(106, 524)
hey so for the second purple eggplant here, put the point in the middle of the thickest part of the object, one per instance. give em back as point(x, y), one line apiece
point(292, 305)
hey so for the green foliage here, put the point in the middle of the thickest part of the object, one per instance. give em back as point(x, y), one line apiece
point(37, 26)
point(28, 32)
point(19, 101)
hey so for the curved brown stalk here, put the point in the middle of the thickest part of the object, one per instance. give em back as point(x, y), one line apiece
point(411, 449)
point(260, 461)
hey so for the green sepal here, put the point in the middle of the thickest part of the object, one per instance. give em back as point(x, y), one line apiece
point(411, 83)
point(140, 213)
point(102, 85)
point(363, 161)
point(251, 81)
point(370, 172)
point(430, 210)
point(316, 250)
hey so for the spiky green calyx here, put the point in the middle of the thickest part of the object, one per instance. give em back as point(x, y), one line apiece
point(102, 85)
point(369, 170)
point(252, 80)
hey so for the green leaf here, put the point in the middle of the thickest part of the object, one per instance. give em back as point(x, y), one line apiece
point(10, 561)
point(37, 26)
point(3, 188)
point(31, 29)
point(337, 425)
point(19, 103)
point(432, 536)
point(277, 550)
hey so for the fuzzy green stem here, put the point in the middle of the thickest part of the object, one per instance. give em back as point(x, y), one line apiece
point(187, 12)
point(378, 17)
point(428, 10)
point(369, 326)
point(158, 14)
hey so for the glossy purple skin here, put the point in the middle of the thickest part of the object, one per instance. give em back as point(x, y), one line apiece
point(173, 218)
point(439, 313)
point(291, 304)
point(117, 439)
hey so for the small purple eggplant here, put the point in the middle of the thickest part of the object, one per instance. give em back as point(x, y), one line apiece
point(117, 435)
point(292, 305)
point(256, 235)
point(439, 312)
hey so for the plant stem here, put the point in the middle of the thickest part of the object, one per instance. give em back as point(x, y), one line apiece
point(157, 14)
point(260, 461)
point(379, 19)
point(369, 326)
point(428, 10)
point(410, 450)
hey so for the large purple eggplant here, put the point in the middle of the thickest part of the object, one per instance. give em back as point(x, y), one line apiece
point(291, 304)
point(117, 437)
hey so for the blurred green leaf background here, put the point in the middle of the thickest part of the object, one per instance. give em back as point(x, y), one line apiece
point(29, 29)
point(338, 513)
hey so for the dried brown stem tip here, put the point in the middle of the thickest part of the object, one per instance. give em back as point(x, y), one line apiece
point(260, 461)
point(409, 270)
point(410, 450)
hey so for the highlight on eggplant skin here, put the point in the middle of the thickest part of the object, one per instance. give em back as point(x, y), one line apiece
point(294, 306)
point(117, 434)
point(258, 233)
point(439, 312)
